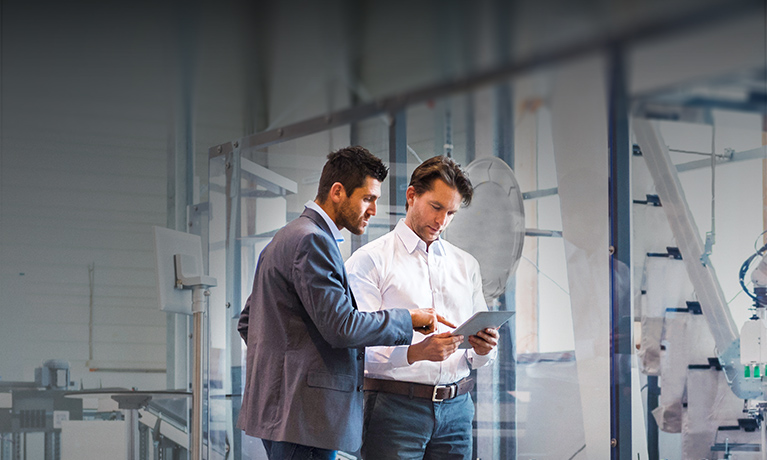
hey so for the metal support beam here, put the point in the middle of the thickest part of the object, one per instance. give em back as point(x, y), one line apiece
point(653, 392)
point(629, 35)
point(180, 186)
point(621, 317)
point(398, 179)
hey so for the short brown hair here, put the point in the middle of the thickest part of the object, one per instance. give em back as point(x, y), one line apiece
point(441, 167)
point(350, 166)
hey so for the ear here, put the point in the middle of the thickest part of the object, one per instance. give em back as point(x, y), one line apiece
point(410, 196)
point(337, 192)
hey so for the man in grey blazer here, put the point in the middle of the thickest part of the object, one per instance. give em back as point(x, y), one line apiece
point(305, 337)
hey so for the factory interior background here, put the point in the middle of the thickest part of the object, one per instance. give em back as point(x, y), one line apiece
point(618, 152)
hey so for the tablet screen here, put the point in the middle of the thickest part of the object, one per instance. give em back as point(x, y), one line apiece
point(479, 321)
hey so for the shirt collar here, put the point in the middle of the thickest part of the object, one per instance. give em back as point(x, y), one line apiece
point(413, 241)
point(333, 227)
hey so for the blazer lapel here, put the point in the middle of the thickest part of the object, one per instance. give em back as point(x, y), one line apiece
point(315, 217)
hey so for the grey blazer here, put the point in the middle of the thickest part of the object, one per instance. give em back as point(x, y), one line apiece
point(306, 339)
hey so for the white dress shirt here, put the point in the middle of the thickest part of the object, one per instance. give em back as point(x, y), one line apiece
point(397, 271)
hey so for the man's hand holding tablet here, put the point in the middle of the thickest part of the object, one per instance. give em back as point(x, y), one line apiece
point(476, 326)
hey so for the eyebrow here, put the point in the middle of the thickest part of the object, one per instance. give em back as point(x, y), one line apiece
point(433, 202)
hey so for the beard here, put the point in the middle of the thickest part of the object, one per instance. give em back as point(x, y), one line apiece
point(351, 220)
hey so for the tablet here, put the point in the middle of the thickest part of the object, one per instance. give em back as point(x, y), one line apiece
point(479, 321)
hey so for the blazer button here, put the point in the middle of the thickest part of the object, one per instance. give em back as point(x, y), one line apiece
point(360, 356)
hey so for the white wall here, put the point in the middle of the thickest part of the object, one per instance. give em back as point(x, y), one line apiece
point(82, 180)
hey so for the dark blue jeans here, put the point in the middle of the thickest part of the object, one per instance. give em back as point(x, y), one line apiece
point(397, 427)
point(276, 450)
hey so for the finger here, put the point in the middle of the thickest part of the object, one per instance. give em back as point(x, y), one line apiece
point(456, 339)
point(444, 335)
point(480, 346)
point(486, 338)
point(443, 320)
point(479, 342)
point(492, 332)
point(488, 335)
point(446, 338)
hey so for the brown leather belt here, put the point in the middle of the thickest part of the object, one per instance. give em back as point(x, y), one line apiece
point(417, 390)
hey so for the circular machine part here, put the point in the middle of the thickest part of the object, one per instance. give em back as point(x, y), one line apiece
point(492, 228)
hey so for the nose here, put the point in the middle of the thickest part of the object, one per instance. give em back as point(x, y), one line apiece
point(372, 208)
point(442, 219)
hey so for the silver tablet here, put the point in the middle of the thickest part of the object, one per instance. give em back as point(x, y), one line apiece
point(479, 321)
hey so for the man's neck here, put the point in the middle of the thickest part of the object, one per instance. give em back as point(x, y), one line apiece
point(329, 210)
point(427, 243)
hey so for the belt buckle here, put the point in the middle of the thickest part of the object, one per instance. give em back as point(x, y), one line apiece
point(453, 391)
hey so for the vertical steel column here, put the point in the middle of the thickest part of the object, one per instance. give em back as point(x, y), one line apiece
point(143, 441)
point(180, 187)
point(471, 134)
point(52, 445)
point(16, 448)
point(621, 318)
point(233, 280)
point(504, 149)
point(398, 179)
point(131, 431)
point(653, 391)
point(354, 139)
point(198, 379)
point(48, 449)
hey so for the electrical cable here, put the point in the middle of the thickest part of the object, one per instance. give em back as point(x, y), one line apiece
point(744, 268)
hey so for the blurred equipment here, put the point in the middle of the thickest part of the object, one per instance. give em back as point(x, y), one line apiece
point(492, 229)
point(31, 412)
point(753, 334)
point(135, 408)
point(180, 254)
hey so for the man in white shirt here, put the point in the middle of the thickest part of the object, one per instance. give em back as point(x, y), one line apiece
point(416, 396)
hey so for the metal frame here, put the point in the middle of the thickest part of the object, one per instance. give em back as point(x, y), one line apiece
point(621, 317)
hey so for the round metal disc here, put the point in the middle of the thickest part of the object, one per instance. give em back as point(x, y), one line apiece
point(492, 228)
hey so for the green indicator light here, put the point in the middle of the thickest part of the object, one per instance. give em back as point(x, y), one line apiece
point(756, 371)
point(747, 371)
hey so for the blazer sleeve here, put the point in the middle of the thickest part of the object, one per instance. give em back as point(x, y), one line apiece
point(364, 279)
point(319, 275)
point(242, 324)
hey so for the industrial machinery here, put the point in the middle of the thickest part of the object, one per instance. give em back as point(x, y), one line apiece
point(33, 410)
